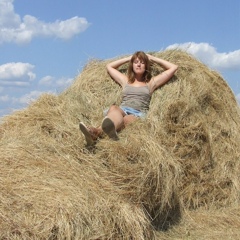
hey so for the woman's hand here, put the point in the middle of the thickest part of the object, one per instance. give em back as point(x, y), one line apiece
point(149, 56)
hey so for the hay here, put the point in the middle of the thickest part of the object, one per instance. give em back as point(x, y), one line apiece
point(206, 224)
point(183, 158)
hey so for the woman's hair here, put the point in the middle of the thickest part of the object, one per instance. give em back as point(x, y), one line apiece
point(142, 57)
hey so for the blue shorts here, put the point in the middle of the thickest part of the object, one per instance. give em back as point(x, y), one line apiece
point(132, 111)
point(128, 111)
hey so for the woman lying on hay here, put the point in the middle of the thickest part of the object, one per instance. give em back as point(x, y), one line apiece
point(138, 86)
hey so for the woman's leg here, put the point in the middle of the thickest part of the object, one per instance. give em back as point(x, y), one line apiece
point(113, 122)
point(116, 114)
point(128, 119)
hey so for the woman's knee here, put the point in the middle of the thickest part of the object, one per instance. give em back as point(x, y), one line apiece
point(115, 108)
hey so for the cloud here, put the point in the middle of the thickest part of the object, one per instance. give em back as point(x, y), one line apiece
point(17, 30)
point(47, 81)
point(27, 98)
point(51, 81)
point(209, 55)
point(8, 18)
point(23, 100)
point(4, 98)
point(8, 98)
point(64, 82)
point(16, 74)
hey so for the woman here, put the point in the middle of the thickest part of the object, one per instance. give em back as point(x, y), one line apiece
point(138, 86)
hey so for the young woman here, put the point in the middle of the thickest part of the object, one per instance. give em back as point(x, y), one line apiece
point(138, 86)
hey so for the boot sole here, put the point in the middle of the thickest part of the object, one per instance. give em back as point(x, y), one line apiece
point(109, 128)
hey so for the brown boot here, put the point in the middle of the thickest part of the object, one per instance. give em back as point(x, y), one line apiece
point(91, 134)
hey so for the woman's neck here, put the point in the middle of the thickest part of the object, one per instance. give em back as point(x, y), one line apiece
point(138, 83)
point(139, 78)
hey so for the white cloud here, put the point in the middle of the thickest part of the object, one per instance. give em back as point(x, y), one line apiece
point(54, 82)
point(64, 82)
point(21, 101)
point(4, 98)
point(209, 55)
point(15, 29)
point(14, 84)
point(29, 97)
point(47, 81)
point(8, 18)
point(16, 74)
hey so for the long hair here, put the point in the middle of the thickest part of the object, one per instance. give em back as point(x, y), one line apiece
point(142, 57)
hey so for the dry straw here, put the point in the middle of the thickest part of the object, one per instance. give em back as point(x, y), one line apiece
point(176, 169)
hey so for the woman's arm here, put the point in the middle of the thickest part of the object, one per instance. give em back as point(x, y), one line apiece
point(114, 73)
point(163, 77)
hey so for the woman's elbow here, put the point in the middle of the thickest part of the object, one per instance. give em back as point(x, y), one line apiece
point(108, 67)
point(175, 68)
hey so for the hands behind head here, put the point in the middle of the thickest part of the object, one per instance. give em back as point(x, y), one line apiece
point(150, 57)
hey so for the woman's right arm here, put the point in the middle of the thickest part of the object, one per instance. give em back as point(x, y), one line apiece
point(116, 74)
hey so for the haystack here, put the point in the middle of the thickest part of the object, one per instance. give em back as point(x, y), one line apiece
point(183, 157)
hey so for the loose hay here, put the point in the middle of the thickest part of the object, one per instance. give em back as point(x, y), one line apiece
point(182, 158)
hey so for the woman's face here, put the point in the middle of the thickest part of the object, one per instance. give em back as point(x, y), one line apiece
point(138, 66)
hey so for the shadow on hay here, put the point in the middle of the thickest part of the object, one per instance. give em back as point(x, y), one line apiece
point(163, 220)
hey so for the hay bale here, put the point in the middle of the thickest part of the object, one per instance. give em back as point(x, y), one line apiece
point(204, 224)
point(200, 124)
point(184, 155)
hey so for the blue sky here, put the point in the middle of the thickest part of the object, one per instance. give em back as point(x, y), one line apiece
point(44, 44)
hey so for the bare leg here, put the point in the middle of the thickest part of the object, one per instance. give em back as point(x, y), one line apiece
point(116, 114)
point(113, 122)
point(128, 119)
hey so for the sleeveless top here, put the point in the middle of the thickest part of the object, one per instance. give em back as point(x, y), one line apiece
point(136, 97)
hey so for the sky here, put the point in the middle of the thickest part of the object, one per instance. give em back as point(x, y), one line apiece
point(45, 44)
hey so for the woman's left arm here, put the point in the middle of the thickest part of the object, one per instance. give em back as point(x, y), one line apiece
point(162, 78)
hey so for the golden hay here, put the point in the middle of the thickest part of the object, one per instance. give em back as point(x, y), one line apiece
point(181, 161)
point(206, 224)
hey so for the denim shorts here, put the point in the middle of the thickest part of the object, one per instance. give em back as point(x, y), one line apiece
point(132, 111)
point(128, 111)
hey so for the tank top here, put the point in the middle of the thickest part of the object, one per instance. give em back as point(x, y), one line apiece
point(136, 97)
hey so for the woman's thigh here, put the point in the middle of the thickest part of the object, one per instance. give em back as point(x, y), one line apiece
point(129, 119)
point(116, 109)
